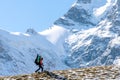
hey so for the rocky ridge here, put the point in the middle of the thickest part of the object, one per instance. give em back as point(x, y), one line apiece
point(92, 73)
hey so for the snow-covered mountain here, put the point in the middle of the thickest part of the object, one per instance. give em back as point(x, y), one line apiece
point(19, 50)
point(84, 14)
point(97, 44)
point(87, 35)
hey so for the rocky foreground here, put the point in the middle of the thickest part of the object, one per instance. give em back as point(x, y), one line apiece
point(92, 73)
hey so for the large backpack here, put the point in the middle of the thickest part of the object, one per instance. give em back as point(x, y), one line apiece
point(37, 60)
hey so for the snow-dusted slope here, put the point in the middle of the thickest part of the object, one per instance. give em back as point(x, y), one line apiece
point(18, 52)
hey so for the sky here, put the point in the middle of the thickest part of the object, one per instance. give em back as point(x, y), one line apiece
point(19, 15)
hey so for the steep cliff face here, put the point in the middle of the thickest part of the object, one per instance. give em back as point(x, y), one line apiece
point(114, 18)
point(99, 45)
point(84, 14)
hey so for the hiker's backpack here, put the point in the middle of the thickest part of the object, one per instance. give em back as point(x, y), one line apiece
point(41, 59)
point(37, 60)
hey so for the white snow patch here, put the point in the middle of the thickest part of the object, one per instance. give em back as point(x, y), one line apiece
point(99, 11)
point(116, 42)
point(54, 33)
point(117, 61)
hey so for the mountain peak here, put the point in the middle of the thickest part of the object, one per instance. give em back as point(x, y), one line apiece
point(31, 31)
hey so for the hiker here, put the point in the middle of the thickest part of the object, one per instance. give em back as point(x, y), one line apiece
point(39, 62)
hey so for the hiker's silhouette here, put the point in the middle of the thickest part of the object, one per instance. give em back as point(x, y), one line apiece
point(39, 62)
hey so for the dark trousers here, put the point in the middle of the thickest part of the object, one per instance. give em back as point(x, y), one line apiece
point(40, 67)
